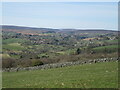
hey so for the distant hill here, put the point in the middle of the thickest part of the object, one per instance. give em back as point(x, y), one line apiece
point(90, 31)
point(34, 29)
point(7, 27)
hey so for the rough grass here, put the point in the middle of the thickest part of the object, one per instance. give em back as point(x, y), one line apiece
point(99, 75)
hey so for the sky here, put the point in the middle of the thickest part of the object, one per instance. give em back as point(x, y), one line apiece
point(78, 15)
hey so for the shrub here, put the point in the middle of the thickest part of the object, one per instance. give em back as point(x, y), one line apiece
point(24, 63)
point(36, 62)
point(8, 63)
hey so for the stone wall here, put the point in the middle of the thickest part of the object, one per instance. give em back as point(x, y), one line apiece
point(58, 65)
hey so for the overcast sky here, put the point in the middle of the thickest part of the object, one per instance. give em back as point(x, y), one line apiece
point(83, 15)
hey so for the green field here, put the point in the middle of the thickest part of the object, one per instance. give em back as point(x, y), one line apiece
point(111, 48)
point(13, 40)
point(99, 75)
point(112, 41)
point(13, 46)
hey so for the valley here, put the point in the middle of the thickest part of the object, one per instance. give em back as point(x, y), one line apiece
point(25, 46)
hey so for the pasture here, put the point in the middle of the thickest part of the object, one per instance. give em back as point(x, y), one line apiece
point(110, 48)
point(98, 75)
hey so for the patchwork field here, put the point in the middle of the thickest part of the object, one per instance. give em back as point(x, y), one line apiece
point(99, 75)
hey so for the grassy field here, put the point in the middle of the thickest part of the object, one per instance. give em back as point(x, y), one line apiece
point(99, 75)
point(13, 40)
point(14, 46)
point(111, 48)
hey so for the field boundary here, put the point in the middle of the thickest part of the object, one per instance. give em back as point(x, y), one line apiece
point(58, 65)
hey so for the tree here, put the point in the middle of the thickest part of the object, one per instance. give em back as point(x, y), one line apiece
point(78, 51)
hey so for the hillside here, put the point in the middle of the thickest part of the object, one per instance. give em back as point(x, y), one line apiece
point(99, 75)
point(27, 46)
point(8, 27)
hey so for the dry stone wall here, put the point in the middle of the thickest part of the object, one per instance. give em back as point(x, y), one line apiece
point(58, 65)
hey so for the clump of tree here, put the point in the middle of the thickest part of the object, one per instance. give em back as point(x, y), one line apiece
point(78, 51)
point(9, 63)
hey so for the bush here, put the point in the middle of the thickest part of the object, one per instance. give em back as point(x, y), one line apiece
point(8, 63)
point(24, 63)
point(36, 62)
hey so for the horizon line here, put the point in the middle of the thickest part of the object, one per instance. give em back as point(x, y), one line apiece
point(61, 28)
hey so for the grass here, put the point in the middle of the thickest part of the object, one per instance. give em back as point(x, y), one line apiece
point(112, 41)
point(112, 48)
point(13, 46)
point(99, 75)
point(61, 52)
point(15, 56)
point(13, 40)
point(70, 51)
point(5, 55)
